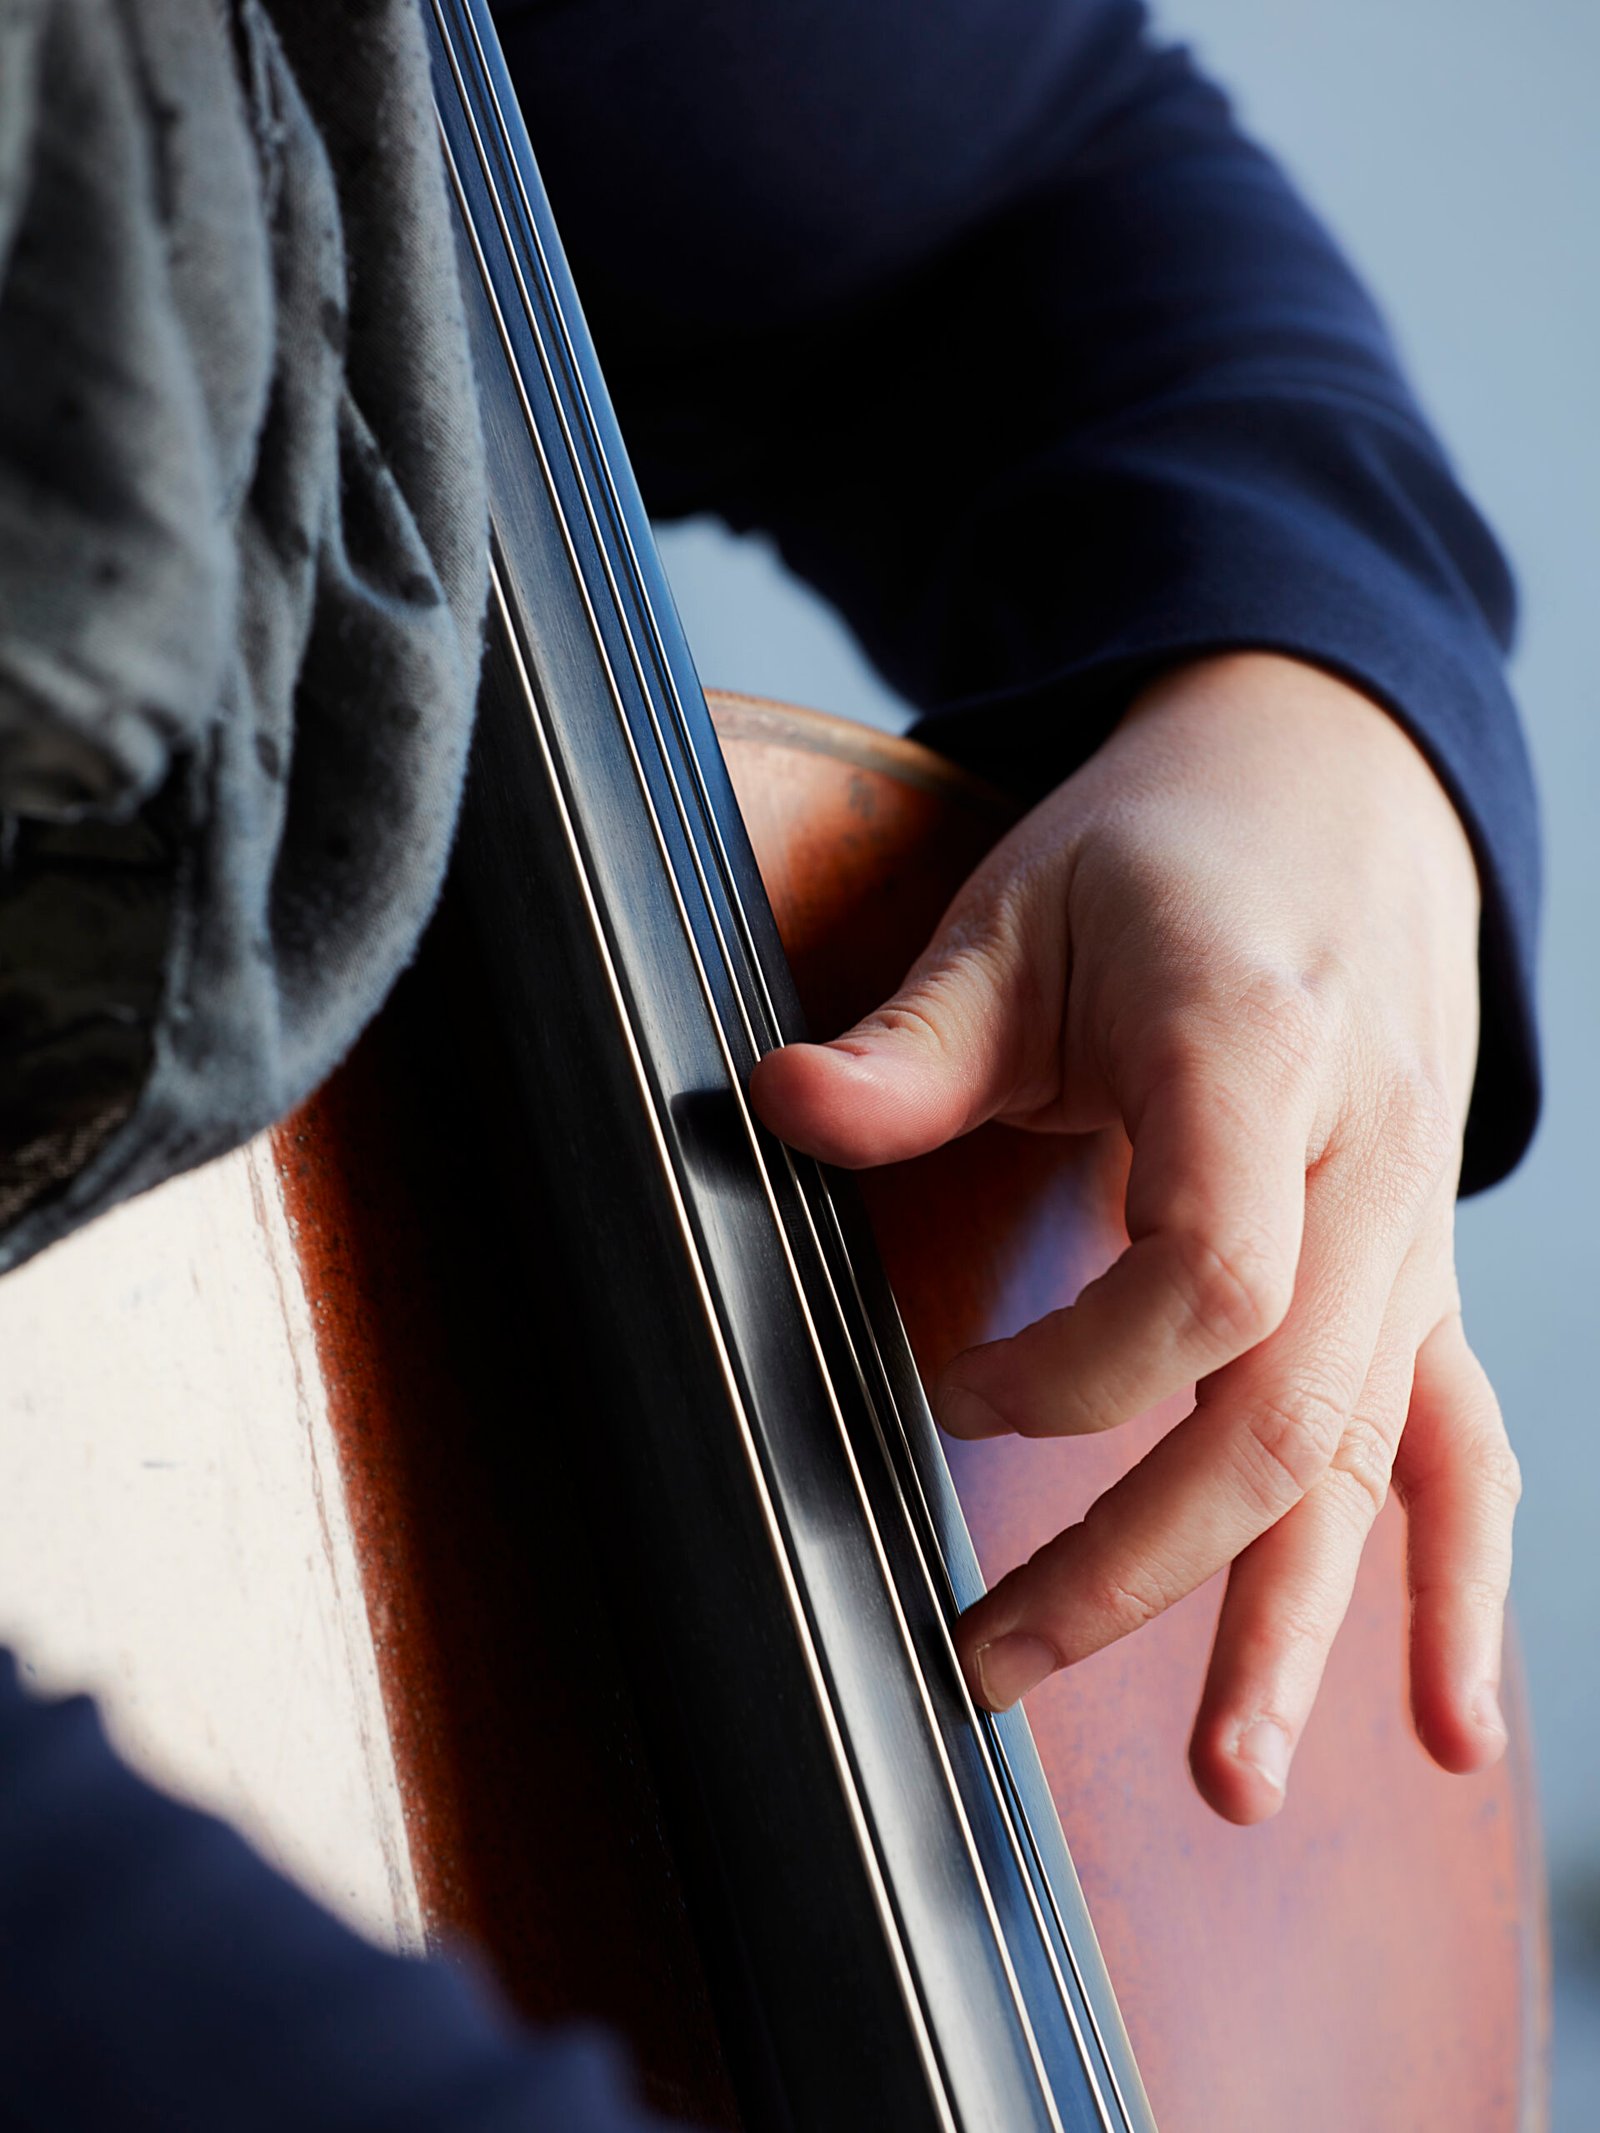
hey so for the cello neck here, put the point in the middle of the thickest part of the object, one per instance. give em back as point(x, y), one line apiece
point(911, 1946)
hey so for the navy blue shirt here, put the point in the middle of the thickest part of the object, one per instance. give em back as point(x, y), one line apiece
point(156, 1976)
point(1041, 373)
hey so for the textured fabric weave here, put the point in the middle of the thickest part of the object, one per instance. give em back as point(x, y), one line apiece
point(242, 566)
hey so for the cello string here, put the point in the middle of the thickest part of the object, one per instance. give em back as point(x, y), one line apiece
point(1002, 1777)
point(813, 1659)
point(1004, 1794)
point(856, 1807)
point(889, 1587)
point(999, 1776)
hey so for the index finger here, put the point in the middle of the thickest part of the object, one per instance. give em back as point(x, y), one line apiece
point(1215, 1208)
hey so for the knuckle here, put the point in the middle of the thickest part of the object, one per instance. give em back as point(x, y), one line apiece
point(1482, 1592)
point(1468, 1592)
point(1298, 1623)
point(1116, 1597)
point(1289, 1445)
point(919, 1016)
point(1363, 1463)
point(1265, 1024)
point(1125, 1605)
point(1235, 1289)
point(1501, 1473)
point(1417, 1125)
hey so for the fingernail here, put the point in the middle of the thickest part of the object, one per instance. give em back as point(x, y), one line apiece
point(1010, 1666)
point(965, 1413)
point(1486, 1713)
point(1265, 1747)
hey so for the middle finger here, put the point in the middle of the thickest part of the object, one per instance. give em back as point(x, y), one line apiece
point(1262, 1431)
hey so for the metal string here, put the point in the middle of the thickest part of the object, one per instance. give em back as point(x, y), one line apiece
point(1002, 1785)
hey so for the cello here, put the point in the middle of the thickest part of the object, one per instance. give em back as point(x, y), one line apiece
point(659, 1543)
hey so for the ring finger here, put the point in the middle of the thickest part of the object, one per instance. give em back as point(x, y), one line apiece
point(1287, 1596)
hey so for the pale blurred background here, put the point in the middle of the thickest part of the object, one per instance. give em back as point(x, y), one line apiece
point(1454, 145)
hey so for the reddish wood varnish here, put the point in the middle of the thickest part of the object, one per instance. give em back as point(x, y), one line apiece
point(1371, 1962)
point(533, 1826)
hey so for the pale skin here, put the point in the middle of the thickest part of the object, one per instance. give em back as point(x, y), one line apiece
point(1244, 934)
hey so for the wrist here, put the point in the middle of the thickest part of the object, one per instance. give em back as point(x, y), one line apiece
point(1310, 741)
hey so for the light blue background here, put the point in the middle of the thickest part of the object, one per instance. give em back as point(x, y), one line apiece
point(1454, 145)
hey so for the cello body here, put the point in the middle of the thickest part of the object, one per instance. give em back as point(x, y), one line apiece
point(660, 1549)
point(1372, 1961)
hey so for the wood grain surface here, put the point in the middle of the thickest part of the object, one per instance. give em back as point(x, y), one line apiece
point(1373, 1961)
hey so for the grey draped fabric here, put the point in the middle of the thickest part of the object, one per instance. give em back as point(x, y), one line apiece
point(242, 565)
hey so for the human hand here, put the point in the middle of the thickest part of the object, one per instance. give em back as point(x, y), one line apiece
point(1245, 934)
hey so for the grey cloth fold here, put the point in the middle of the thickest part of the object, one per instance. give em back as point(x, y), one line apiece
point(242, 569)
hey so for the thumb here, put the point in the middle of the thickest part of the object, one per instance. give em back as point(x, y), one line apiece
point(940, 1057)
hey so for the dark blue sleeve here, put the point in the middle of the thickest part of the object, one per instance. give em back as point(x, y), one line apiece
point(156, 1976)
point(1040, 371)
